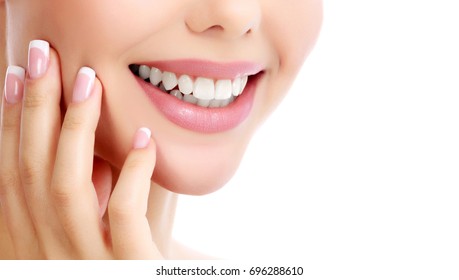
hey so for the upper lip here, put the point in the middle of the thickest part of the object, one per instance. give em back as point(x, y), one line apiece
point(206, 68)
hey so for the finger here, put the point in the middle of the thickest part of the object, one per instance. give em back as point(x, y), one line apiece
point(72, 190)
point(14, 207)
point(40, 125)
point(130, 231)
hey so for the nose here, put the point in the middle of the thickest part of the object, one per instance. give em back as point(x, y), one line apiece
point(227, 19)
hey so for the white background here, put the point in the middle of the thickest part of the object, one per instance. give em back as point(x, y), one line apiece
point(356, 174)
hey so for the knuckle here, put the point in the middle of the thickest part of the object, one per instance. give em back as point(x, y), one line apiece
point(34, 99)
point(10, 125)
point(8, 178)
point(31, 171)
point(134, 164)
point(61, 190)
point(121, 212)
point(73, 122)
point(60, 195)
point(7, 183)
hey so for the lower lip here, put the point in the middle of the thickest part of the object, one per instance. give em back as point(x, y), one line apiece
point(200, 119)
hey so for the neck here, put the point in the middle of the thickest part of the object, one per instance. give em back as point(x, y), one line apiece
point(160, 214)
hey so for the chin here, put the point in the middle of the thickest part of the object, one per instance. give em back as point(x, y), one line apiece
point(196, 170)
point(190, 185)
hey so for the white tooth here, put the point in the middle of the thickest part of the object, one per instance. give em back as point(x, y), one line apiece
point(223, 89)
point(177, 94)
point(185, 84)
point(169, 80)
point(144, 72)
point(190, 99)
point(244, 83)
point(237, 86)
point(204, 89)
point(225, 102)
point(155, 76)
point(203, 102)
point(161, 87)
point(214, 103)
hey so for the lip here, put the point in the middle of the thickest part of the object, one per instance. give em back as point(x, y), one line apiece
point(200, 119)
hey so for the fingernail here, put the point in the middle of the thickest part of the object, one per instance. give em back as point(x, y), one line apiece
point(38, 58)
point(14, 84)
point(84, 84)
point(142, 138)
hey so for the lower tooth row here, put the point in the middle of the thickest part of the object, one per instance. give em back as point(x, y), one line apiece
point(189, 98)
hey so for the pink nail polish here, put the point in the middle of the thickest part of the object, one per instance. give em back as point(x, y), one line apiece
point(84, 84)
point(142, 138)
point(14, 84)
point(38, 58)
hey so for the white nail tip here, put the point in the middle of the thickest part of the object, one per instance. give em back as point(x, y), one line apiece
point(17, 71)
point(40, 44)
point(146, 131)
point(88, 72)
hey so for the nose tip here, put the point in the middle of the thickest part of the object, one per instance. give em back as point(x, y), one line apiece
point(225, 18)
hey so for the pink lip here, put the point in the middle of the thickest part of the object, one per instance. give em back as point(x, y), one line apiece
point(208, 69)
point(200, 119)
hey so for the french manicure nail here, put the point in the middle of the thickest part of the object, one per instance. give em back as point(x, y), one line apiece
point(38, 58)
point(14, 84)
point(142, 138)
point(84, 84)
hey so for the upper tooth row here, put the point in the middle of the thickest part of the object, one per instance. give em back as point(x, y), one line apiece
point(202, 88)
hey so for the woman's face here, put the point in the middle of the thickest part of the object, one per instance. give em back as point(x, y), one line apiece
point(210, 46)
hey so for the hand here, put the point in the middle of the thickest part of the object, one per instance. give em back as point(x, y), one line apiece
point(47, 193)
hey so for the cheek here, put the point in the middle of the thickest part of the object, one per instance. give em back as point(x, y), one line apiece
point(93, 33)
point(295, 30)
point(294, 27)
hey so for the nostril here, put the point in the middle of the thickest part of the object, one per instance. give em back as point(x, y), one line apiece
point(212, 30)
point(216, 27)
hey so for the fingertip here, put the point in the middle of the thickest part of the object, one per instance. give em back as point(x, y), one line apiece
point(14, 84)
point(49, 80)
point(142, 138)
